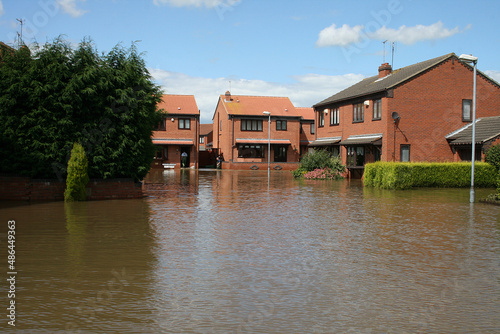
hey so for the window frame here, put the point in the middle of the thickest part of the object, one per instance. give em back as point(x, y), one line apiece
point(404, 146)
point(321, 119)
point(358, 112)
point(377, 108)
point(334, 116)
point(313, 128)
point(256, 147)
point(281, 123)
point(183, 121)
point(463, 110)
point(258, 125)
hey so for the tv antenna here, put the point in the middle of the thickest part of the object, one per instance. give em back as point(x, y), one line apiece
point(393, 45)
point(20, 42)
point(384, 50)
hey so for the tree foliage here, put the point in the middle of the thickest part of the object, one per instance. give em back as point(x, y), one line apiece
point(320, 160)
point(493, 156)
point(77, 178)
point(59, 96)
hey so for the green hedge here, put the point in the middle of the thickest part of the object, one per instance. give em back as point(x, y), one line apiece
point(406, 175)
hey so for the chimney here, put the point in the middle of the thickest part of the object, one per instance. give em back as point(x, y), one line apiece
point(228, 96)
point(384, 70)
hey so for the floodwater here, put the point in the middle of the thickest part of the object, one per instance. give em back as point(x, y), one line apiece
point(235, 252)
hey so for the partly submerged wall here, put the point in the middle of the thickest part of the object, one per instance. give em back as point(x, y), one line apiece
point(16, 188)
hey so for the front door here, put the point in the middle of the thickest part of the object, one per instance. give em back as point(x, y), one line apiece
point(185, 156)
point(280, 153)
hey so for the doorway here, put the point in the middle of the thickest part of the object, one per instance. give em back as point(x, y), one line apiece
point(185, 157)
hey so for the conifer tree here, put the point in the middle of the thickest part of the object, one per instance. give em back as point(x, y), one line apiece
point(77, 178)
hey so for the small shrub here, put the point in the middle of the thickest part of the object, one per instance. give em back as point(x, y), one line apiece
point(493, 156)
point(320, 159)
point(77, 177)
point(322, 174)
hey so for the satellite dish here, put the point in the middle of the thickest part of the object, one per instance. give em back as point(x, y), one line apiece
point(395, 117)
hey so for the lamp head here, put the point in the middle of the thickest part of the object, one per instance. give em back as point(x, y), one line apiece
point(266, 112)
point(468, 58)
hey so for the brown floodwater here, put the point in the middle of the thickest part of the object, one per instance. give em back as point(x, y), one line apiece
point(235, 252)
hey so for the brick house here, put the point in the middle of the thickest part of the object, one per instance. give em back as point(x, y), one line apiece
point(178, 132)
point(206, 137)
point(405, 114)
point(241, 132)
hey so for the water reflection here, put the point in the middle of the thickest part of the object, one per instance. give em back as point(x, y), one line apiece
point(226, 252)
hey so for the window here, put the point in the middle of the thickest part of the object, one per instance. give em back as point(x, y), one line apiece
point(321, 119)
point(355, 155)
point(334, 116)
point(358, 112)
point(280, 125)
point(161, 125)
point(251, 125)
point(161, 152)
point(220, 127)
point(202, 139)
point(466, 110)
point(405, 153)
point(377, 109)
point(250, 151)
point(184, 123)
point(312, 128)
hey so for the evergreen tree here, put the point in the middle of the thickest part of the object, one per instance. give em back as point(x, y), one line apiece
point(60, 95)
point(77, 178)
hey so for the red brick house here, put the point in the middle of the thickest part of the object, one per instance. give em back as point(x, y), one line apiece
point(405, 114)
point(206, 137)
point(177, 133)
point(241, 132)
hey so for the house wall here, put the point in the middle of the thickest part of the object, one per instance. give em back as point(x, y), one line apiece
point(172, 131)
point(430, 107)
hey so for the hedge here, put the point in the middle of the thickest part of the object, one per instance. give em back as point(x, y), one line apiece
point(407, 175)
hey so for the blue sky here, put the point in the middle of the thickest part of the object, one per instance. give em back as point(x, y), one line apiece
point(306, 50)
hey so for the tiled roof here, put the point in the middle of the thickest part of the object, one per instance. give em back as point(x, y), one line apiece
point(375, 84)
point(205, 129)
point(487, 128)
point(179, 104)
point(306, 113)
point(256, 105)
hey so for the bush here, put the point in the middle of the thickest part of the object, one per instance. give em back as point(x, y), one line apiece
point(77, 177)
point(398, 175)
point(493, 156)
point(322, 174)
point(322, 160)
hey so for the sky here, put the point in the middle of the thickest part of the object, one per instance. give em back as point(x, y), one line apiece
point(304, 50)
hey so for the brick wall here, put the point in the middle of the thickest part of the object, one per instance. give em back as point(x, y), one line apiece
point(26, 189)
point(260, 165)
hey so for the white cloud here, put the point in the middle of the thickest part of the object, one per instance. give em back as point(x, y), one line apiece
point(69, 6)
point(495, 75)
point(411, 35)
point(1, 8)
point(304, 91)
point(196, 3)
point(346, 35)
point(343, 36)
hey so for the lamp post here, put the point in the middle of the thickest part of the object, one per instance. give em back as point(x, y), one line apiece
point(268, 113)
point(472, 59)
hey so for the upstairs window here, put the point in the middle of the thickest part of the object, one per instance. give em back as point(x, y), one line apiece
point(312, 128)
point(321, 119)
point(161, 125)
point(280, 125)
point(466, 110)
point(335, 116)
point(184, 123)
point(251, 125)
point(358, 112)
point(377, 109)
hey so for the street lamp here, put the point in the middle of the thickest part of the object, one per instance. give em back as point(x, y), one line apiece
point(472, 59)
point(268, 113)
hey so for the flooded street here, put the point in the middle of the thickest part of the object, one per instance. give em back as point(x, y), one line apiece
point(236, 252)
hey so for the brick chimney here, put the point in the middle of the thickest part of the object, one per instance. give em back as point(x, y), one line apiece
point(384, 70)
point(228, 96)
